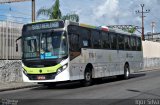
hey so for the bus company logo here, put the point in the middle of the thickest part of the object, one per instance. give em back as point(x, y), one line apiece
point(40, 71)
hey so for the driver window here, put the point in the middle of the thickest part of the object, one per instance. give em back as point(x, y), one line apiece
point(74, 45)
point(74, 42)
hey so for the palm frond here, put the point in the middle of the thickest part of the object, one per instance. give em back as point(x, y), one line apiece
point(44, 11)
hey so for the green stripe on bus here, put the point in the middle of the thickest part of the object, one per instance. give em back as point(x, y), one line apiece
point(52, 20)
point(44, 70)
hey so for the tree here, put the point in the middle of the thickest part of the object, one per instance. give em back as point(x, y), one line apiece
point(53, 13)
point(72, 16)
point(132, 30)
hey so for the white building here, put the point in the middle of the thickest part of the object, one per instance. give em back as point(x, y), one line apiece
point(9, 32)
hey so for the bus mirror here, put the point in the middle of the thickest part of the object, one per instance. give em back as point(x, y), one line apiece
point(16, 47)
point(17, 43)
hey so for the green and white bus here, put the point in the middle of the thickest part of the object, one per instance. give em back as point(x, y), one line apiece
point(58, 51)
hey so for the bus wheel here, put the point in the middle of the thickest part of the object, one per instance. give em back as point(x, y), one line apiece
point(126, 71)
point(87, 77)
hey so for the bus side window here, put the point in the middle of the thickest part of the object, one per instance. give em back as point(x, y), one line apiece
point(85, 39)
point(127, 43)
point(139, 44)
point(133, 43)
point(96, 39)
point(105, 40)
point(121, 42)
point(74, 42)
point(113, 41)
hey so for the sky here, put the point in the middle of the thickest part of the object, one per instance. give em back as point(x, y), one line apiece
point(93, 12)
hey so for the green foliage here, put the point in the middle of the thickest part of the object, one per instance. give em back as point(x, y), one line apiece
point(56, 12)
point(132, 30)
point(72, 17)
point(53, 13)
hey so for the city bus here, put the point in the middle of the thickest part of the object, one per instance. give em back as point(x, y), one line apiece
point(60, 51)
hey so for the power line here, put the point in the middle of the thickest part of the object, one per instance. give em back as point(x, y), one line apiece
point(16, 12)
point(33, 5)
point(9, 20)
point(15, 17)
point(154, 18)
point(18, 7)
point(13, 11)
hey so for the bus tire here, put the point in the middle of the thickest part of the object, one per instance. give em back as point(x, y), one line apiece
point(126, 71)
point(87, 77)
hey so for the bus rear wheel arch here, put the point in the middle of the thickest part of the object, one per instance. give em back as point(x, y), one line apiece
point(88, 80)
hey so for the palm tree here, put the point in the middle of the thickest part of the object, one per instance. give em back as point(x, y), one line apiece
point(53, 13)
point(72, 16)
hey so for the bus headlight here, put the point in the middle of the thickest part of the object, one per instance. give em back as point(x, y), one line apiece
point(62, 68)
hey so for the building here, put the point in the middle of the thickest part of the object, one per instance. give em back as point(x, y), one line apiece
point(153, 37)
point(9, 32)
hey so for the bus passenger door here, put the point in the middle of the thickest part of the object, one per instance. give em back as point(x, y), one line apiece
point(74, 53)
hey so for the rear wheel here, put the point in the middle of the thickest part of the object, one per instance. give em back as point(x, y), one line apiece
point(87, 77)
point(126, 71)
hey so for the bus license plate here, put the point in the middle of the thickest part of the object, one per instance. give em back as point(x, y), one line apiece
point(41, 77)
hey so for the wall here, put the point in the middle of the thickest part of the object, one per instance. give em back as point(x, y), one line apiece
point(9, 32)
point(10, 71)
point(151, 55)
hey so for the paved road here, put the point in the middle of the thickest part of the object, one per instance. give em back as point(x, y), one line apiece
point(144, 85)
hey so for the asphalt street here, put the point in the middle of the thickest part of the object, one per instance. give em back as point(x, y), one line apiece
point(138, 90)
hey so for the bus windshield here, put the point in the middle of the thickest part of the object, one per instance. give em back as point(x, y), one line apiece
point(48, 45)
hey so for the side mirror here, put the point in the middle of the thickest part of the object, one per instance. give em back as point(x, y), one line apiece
point(17, 43)
point(16, 47)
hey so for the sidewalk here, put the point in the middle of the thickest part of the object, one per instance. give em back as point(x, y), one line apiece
point(16, 85)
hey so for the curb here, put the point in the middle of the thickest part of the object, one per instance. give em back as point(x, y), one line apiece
point(149, 70)
point(20, 87)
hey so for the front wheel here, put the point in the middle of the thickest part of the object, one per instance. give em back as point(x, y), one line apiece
point(87, 78)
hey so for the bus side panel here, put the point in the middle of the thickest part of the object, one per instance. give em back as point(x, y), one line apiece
point(78, 65)
point(136, 61)
point(105, 62)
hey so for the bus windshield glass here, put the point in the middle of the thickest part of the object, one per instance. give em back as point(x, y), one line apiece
point(48, 45)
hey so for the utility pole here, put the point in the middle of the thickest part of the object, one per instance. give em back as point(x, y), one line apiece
point(142, 13)
point(153, 24)
point(33, 11)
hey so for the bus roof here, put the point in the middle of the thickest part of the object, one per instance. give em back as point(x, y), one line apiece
point(46, 21)
point(104, 28)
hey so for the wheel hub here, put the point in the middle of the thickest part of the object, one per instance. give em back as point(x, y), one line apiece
point(88, 76)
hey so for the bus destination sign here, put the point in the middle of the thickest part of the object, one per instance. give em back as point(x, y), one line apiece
point(45, 25)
